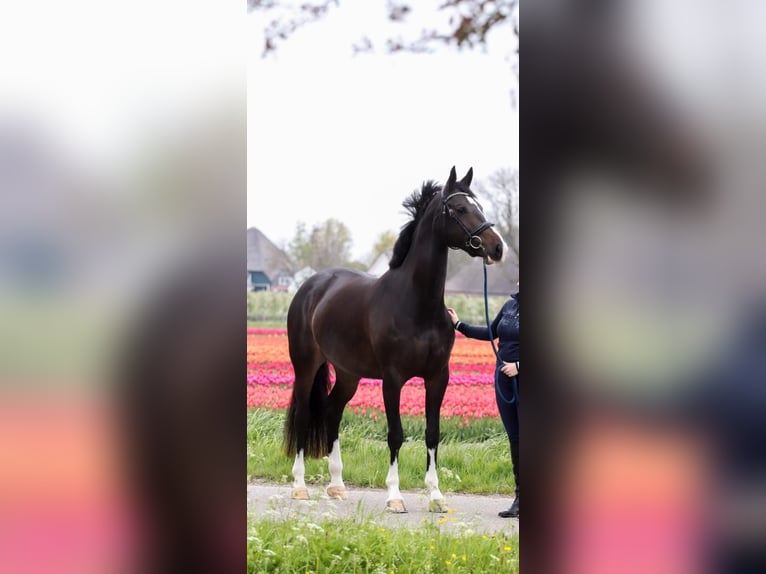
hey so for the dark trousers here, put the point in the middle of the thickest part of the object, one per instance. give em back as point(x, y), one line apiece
point(509, 412)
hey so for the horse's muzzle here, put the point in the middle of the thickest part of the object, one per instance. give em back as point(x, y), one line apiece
point(495, 250)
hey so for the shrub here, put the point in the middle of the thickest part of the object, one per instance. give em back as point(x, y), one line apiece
point(267, 307)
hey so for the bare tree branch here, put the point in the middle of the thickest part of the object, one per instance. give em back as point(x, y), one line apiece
point(469, 22)
point(502, 193)
point(288, 18)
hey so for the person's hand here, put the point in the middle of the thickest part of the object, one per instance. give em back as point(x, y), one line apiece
point(509, 369)
point(453, 316)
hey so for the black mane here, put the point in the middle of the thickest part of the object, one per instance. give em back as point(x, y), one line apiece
point(416, 205)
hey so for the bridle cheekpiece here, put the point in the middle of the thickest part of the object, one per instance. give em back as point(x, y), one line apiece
point(473, 241)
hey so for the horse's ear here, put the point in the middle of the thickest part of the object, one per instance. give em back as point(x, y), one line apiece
point(466, 181)
point(450, 181)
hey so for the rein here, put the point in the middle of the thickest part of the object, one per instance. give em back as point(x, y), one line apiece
point(515, 379)
point(473, 241)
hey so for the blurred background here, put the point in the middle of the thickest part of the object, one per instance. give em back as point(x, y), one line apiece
point(644, 423)
point(122, 217)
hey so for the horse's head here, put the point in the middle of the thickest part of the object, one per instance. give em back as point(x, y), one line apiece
point(466, 226)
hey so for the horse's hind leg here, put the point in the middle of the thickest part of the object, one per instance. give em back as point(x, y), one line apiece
point(299, 492)
point(299, 414)
point(435, 388)
point(305, 434)
point(345, 387)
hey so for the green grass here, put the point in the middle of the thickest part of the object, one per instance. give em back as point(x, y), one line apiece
point(473, 459)
point(359, 545)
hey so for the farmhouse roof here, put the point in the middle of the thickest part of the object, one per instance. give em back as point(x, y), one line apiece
point(263, 255)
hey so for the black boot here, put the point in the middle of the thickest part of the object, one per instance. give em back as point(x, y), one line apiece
point(513, 511)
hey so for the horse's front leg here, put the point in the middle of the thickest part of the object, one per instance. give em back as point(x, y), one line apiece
point(392, 389)
point(435, 389)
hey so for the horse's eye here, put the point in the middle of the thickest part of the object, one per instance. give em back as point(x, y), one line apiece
point(462, 209)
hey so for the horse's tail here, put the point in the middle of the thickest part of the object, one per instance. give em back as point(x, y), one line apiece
point(314, 423)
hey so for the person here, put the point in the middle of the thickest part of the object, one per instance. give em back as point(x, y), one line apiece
point(505, 328)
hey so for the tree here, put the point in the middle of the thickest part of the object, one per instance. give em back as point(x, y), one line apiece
point(384, 242)
point(327, 244)
point(468, 23)
point(502, 193)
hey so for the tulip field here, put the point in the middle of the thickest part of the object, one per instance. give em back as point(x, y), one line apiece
point(469, 394)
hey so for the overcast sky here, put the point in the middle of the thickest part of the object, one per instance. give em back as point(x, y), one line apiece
point(331, 134)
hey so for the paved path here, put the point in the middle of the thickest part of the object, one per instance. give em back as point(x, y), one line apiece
point(474, 512)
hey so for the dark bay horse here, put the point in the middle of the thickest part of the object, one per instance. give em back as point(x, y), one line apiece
point(392, 328)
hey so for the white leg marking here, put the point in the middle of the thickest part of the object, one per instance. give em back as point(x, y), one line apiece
point(336, 466)
point(392, 481)
point(299, 471)
point(432, 480)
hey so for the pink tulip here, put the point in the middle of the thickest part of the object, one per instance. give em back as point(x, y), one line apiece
point(470, 393)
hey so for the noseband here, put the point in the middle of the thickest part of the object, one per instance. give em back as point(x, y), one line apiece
point(473, 241)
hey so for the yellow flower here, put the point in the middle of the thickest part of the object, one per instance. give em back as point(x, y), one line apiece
point(463, 557)
point(448, 563)
point(454, 555)
point(507, 548)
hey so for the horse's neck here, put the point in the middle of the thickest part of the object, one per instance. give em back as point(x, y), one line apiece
point(426, 268)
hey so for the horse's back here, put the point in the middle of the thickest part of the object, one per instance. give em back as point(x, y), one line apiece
point(330, 315)
point(327, 284)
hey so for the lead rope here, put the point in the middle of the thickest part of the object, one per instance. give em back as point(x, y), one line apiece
point(515, 380)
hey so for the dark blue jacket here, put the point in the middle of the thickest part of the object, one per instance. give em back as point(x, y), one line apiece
point(505, 328)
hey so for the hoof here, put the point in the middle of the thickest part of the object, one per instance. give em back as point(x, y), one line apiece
point(337, 492)
point(300, 493)
point(396, 506)
point(438, 505)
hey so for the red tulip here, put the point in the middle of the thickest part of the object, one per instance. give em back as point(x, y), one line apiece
point(470, 393)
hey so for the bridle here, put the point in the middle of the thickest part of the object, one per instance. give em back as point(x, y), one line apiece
point(473, 241)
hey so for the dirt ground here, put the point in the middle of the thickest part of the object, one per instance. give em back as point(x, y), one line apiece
point(475, 512)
